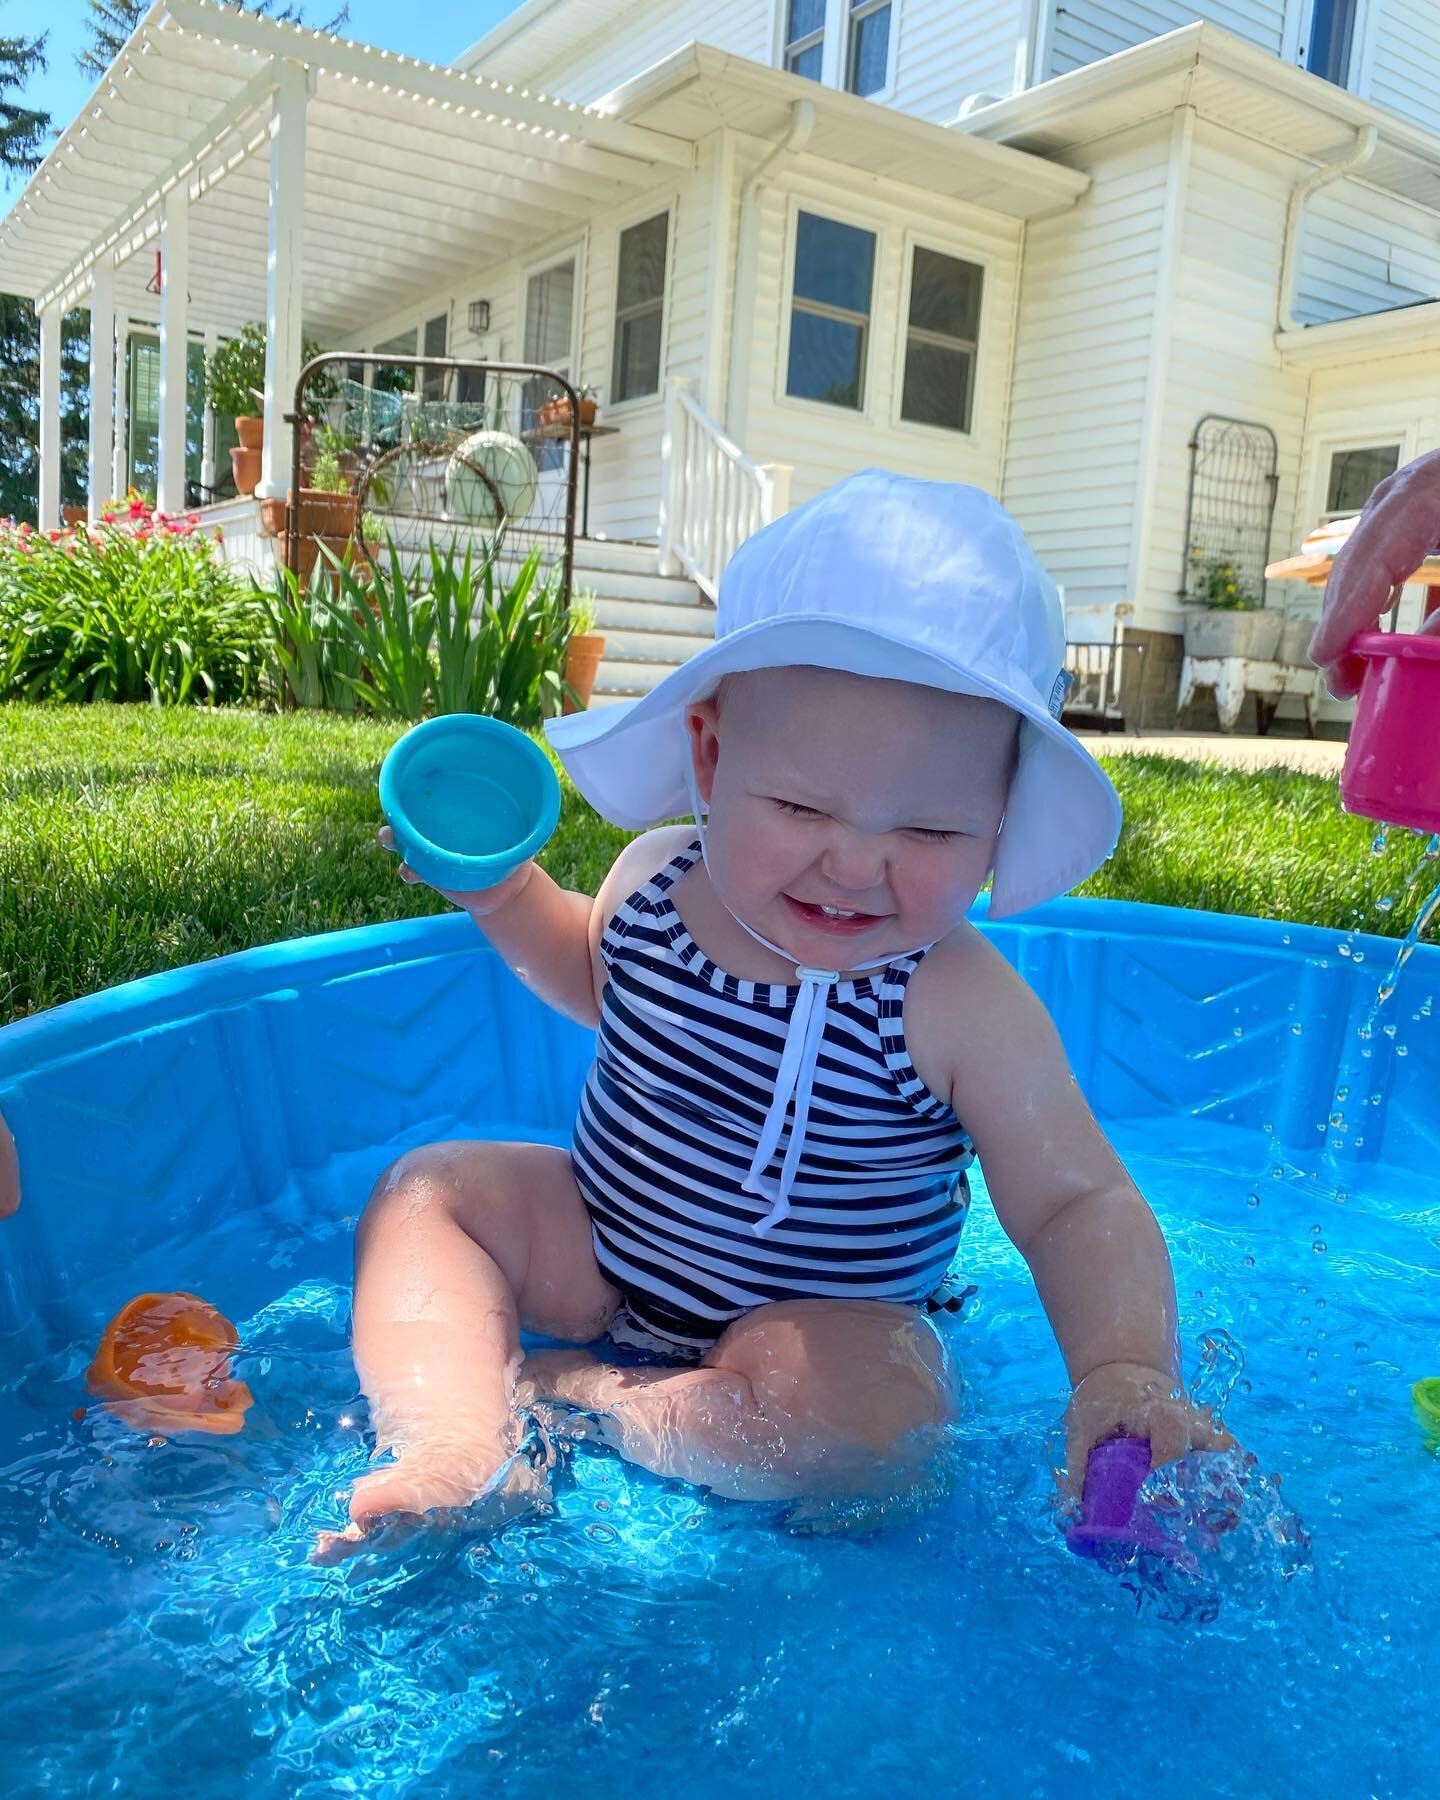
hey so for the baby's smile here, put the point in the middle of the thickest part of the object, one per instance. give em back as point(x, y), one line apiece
point(836, 921)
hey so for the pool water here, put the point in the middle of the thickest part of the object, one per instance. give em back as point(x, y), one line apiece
point(165, 1630)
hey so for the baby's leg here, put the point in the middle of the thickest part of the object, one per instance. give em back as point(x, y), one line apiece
point(460, 1245)
point(805, 1397)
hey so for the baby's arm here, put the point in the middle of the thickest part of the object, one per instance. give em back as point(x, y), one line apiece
point(1066, 1201)
point(549, 935)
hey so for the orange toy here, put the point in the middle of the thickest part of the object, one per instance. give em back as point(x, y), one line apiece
point(164, 1365)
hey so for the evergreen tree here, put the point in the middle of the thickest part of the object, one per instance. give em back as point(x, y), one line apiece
point(112, 21)
point(24, 133)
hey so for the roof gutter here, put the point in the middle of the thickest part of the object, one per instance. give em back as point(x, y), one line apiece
point(1354, 158)
point(802, 125)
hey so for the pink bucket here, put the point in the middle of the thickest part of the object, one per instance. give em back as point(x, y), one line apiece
point(1392, 767)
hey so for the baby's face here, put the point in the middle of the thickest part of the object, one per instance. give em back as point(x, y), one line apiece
point(850, 818)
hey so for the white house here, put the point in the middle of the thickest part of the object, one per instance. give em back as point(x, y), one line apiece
point(1163, 276)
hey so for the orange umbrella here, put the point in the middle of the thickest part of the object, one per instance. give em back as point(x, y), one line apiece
point(164, 1365)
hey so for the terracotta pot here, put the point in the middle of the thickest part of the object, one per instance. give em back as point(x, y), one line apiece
point(245, 465)
point(321, 515)
point(582, 660)
point(307, 554)
point(251, 433)
point(272, 518)
point(74, 515)
point(557, 412)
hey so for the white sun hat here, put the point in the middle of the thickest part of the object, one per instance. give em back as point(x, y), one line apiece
point(884, 575)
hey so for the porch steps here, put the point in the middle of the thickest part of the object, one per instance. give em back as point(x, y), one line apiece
point(651, 622)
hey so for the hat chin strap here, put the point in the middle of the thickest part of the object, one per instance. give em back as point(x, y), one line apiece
point(803, 1037)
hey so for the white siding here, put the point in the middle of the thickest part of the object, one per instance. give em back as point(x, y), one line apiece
point(1090, 286)
point(947, 50)
point(649, 32)
point(1393, 400)
point(1362, 252)
point(1221, 355)
point(823, 442)
point(1403, 67)
point(1084, 31)
point(625, 470)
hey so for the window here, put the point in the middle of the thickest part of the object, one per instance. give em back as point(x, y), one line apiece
point(639, 309)
point(805, 37)
point(1332, 32)
point(433, 381)
point(868, 52)
point(940, 338)
point(388, 379)
point(549, 341)
point(830, 311)
point(1354, 476)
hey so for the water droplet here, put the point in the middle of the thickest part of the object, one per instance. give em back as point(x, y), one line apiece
point(1402, 1049)
point(1342, 1093)
point(1296, 1029)
point(1252, 1199)
point(1357, 956)
point(1377, 843)
point(1337, 1119)
point(1389, 1030)
point(1344, 949)
point(1358, 1142)
point(1385, 905)
point(1285, 937)
point(1249, 1261)
point(1319, 1246)
point(1239, 1032)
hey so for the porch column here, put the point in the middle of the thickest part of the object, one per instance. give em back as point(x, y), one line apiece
point(48, 494)
point(174, 343)
point(101, 466)
point(120, 465)
point(285, 274)
point(207, 440)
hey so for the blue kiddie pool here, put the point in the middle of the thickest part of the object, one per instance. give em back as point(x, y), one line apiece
point(218, 1129)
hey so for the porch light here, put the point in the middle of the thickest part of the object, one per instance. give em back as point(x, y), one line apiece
point(479, 316)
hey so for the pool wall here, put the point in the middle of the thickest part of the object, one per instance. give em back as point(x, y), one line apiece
point(143, 1108)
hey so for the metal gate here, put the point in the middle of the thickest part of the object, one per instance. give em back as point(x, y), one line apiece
point(431, 445)
point(1230, 505)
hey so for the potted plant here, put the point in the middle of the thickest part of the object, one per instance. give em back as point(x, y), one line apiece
point(235, 383)
point(583, 650)
point(557, 410)
point(1231, 622)
point(327, 511)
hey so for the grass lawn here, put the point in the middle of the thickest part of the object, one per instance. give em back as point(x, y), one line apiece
point(133, 840)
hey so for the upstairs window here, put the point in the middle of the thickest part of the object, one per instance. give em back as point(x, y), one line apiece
point(830, 311)
point(639, 309)
point(867, 58)
point(843, 43)
point(940, 338)
point(1331, 38)
point(805, 37)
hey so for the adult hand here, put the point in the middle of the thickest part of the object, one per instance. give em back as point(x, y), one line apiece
point(1398, 529)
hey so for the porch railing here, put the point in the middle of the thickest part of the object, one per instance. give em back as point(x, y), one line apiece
point(712, 496)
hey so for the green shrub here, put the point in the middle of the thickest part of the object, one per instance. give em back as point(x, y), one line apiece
point(138, 608)
point(449, 636)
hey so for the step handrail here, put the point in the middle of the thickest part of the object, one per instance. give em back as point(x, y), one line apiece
point(713, 496)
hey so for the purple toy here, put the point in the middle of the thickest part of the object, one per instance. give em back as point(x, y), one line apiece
point(1113, 1525)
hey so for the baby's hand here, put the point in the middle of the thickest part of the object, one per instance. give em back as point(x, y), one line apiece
point(1130, 1400)
point(477, 902)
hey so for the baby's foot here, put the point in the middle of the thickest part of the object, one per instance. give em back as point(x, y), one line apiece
point(432, 1488)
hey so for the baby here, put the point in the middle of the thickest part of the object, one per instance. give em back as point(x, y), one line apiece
point(802, 1046)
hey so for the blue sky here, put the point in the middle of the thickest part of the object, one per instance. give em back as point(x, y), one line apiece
point(437, 31)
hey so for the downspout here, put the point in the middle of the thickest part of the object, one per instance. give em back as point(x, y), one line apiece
point(802, 124)
point(1364, 149)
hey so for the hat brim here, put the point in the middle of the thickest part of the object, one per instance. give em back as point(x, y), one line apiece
point(1062, 818)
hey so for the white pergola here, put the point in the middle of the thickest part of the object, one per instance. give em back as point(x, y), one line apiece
point(289, 175)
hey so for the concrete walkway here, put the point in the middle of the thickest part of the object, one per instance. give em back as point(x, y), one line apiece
point(1313, 756)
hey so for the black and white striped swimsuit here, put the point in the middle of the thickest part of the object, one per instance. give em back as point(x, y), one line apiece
point(671, 1115)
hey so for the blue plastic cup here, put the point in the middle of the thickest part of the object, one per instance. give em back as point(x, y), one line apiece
point(469, 800)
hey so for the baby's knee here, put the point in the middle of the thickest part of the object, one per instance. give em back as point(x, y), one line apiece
point(462, 1183)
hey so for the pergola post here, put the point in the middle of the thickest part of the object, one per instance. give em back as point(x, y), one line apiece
point(285, 277)
point(174, 347)
point(207, 439)
point(101, 467)
point(48, 494)
point(120, 467)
